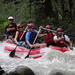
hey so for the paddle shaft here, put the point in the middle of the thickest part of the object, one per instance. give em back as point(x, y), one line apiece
point(13, 52)
point(48, 29)
point(24, 32)
point(33, 43)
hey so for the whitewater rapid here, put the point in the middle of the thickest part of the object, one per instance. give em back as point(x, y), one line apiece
point(51, 62)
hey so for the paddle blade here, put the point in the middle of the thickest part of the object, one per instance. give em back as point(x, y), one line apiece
point(28, 53)
point(12, 54)
point(27, 56)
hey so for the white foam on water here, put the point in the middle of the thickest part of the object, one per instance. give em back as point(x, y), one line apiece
point(50, 63)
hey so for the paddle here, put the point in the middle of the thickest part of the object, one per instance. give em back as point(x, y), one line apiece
point(33, 43)
point(13, 52)
point(48, 29)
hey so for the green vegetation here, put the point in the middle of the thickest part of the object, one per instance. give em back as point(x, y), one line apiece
point(42, 12)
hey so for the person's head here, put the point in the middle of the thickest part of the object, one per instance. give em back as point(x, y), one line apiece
point(20, 27)
point(31, 26)
point(49, 27)
point(59, 31)
point(10, 19)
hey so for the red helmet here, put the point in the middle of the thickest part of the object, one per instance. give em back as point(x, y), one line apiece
point(19, 26)
point(48, 27)
point(31, 25)
point(59, 30)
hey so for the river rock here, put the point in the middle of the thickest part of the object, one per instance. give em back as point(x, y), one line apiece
point(56, 72)
point(22, 70)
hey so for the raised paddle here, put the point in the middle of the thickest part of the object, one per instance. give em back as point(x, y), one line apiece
point(33, 43)
point(48, 29)
point(13, 52)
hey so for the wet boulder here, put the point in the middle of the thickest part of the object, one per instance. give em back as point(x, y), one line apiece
point(56, 72)
point(22, 70)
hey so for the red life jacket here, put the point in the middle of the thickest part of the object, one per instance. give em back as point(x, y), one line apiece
point(61, 43)
point(49, 38)
point(13, 35)
point(19, 36)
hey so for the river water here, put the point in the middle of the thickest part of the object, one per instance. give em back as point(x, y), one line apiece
point(51, 62)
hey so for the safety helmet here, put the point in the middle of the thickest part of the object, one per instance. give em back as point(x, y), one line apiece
point(10, 18)
point(19, 26)
point(59, 30)
point(31, 25)
point(48, 27)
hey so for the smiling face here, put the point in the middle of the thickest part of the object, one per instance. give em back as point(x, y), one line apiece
point(49, 27)
point(10, 20)
point(21, 29)
point(59, 33)
point(31, 29)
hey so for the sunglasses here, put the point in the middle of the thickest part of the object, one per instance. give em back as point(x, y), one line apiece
point(10, 19)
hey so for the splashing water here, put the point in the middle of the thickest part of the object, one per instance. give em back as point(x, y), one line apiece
point(50, 63)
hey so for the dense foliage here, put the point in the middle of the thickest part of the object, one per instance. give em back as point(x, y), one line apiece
point(42, 12)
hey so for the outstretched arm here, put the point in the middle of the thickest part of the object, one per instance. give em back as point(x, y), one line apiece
point(10, 29)
point(70, 45)
point(69, 42)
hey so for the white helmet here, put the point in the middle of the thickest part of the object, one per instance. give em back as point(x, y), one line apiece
point(10, 18)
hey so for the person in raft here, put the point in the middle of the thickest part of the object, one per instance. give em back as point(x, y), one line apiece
point(30, 37)
point(62, 40)
point(49, 36)
point(19, 36)
point(11, 28)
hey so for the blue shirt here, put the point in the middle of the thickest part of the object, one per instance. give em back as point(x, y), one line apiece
point(27, 36)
